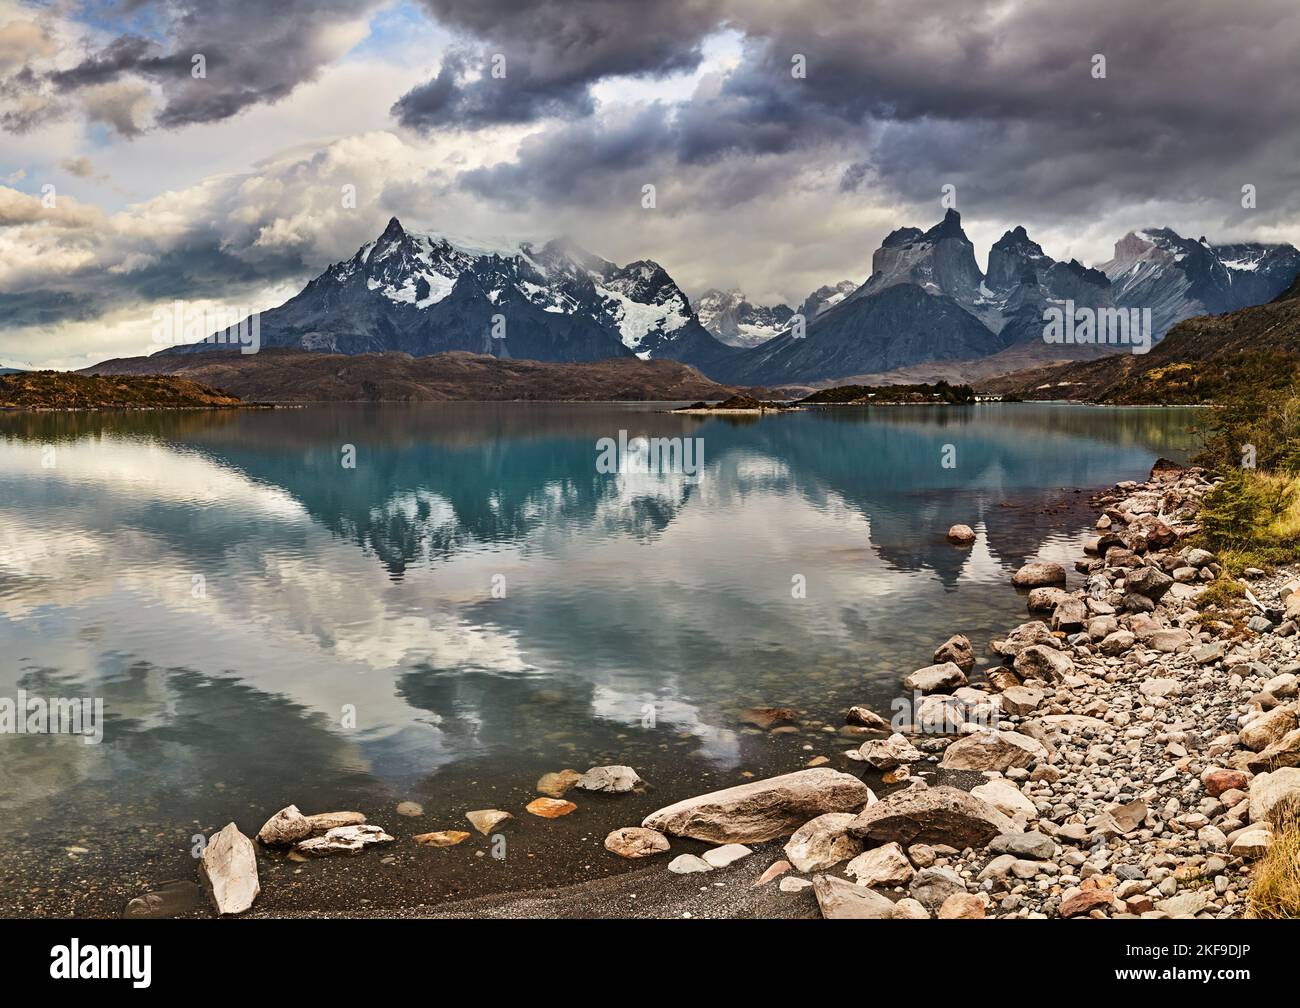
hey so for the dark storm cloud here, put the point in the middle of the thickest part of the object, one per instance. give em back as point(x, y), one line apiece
point(201, 266)
point(255, 52)
point(998, 99)
point(124, 54)
point(448, 100)
point(553, 52)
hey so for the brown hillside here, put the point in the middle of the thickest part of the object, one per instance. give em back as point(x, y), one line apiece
point(298, 376)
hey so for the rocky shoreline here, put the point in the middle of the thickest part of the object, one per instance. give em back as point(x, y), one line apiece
point(1124, 755)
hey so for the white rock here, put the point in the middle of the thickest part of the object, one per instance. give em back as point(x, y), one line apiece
point(1006, 797)
point(727, 854)
point(344, 840)
point(685, 864)
point(1268, 790)
point(229, 870)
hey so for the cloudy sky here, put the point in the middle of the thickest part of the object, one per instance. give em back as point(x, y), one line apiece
point(153, 150)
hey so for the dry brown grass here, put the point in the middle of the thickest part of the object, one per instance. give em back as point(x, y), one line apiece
point(1275, 890)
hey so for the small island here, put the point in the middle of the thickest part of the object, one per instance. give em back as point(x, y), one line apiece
point(739, 403)
point(940, 393)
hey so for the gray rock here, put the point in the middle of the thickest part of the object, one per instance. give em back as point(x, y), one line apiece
point(885, 754)
point(1042, 662)
point(945, 676)
point(822, 843)
point(955, 649)
point(993, 750)
point(932, 886)
point(1024, 845)
point(287, 826)
point(1148, 581)
point(937, 815)
point(841, 900)
point(761, 810)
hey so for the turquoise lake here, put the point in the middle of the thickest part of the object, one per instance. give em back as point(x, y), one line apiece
point(474, 604)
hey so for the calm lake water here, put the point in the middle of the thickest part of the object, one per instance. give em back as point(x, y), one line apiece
point(266, 626)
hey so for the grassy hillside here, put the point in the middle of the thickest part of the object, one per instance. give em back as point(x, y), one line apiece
point(1201, 360)
point(59, 390)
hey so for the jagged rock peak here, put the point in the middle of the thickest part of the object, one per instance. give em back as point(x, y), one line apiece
point(949, 227)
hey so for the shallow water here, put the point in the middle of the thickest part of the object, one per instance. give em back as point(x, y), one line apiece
point(474, 603)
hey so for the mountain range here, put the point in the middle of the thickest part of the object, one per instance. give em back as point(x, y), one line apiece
point(731, 317)
point(925, 301)
point(1199, 360)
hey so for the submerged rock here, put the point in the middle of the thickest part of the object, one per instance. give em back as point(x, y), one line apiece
point(610, 779)
point(550, 808)
point(229, 871)
point(168, 899)
point(866, 717)
point(555, 784)
point(486, 820)
point(767, 717)
point(441, 838)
